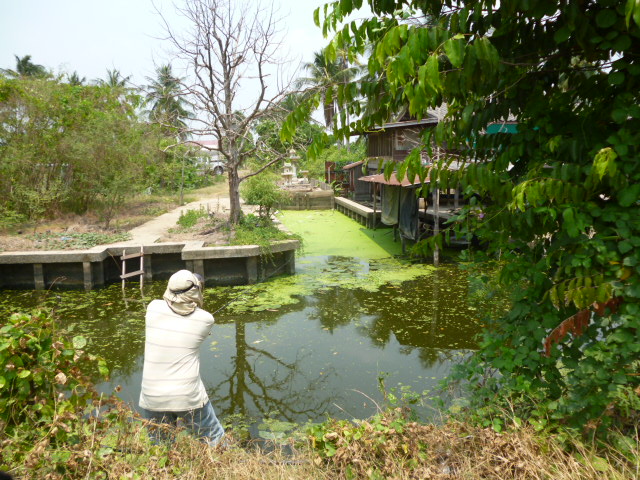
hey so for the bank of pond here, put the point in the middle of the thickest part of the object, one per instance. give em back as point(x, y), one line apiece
point(54, 425)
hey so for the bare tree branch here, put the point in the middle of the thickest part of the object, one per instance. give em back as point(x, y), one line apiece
point(232, 50)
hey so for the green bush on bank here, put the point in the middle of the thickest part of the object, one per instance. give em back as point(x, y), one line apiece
point(262, 190)
point(46, 391)
point(190, 218)
point(81, 148)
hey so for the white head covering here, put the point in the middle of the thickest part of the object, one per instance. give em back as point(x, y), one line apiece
point(184, 292)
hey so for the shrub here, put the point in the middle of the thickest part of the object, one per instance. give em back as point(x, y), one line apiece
point(190, 218)
point(45, 388)
point(263, 191)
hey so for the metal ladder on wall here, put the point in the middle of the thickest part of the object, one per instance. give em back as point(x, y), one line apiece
point(139, 272)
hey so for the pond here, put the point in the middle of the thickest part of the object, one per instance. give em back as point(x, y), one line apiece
point(299, 348)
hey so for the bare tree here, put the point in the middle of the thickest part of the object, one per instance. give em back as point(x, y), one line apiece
point(231, 48)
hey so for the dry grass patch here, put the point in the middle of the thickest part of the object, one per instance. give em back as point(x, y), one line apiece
point(391, 449)
point(137, 211)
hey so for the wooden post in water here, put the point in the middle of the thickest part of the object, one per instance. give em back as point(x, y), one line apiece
point(375, 187)
point(436, 223)
point(436, 212)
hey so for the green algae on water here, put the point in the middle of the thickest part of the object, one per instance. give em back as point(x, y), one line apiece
point(287, 290)
point(329, 232)
point(338, 253)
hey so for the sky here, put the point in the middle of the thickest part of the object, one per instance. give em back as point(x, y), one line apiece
point(91, 36)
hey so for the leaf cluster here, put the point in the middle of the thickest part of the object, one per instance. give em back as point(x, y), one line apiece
point(45, 387)
point(556, 201)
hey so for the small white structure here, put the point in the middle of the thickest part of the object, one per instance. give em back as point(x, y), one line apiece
point(289, 171)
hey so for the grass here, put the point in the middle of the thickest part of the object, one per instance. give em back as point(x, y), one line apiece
point(190, 218)
point(117, 447)
point(387, 448)
point(255, 231)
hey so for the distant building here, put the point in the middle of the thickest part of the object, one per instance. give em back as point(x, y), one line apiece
point(208, 156)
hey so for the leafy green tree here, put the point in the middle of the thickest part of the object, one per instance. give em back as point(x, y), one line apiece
point(559, 197)
point(337, 154)
point(109, 153)
point(268, 133)
point(69, 147)
point(262, 190)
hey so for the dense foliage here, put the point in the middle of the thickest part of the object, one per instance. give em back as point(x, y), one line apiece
point(45, 391)
point(337, 154)
point(68, 147)
point(555, 202)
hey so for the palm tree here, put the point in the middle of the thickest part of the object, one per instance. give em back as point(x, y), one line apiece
point(114, 79)
point(168, 106)
point(26, 68)
point(74, 79)
point(325, 77)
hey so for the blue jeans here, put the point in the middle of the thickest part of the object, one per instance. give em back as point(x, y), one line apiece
point(202, 422)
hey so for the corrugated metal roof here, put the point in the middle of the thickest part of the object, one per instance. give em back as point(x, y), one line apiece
point(393, 180)
point(206, 144)
point(353, 165)
point(408, 123)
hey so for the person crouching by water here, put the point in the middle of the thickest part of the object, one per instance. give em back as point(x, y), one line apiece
point(171, 385)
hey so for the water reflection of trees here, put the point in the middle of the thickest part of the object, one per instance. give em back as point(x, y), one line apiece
point(334, 308)
point(418, 315)
point(245, 389)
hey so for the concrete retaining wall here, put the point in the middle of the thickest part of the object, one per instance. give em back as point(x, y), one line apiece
point(77, 269)
point(315, 200)
point(360, 213)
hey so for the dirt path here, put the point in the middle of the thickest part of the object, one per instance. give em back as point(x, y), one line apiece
point(153, 230)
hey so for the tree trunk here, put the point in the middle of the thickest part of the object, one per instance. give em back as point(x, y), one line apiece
point(235, 213)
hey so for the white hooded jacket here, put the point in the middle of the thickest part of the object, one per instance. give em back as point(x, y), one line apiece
point(171, 372)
